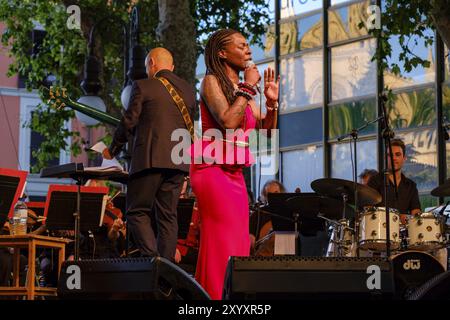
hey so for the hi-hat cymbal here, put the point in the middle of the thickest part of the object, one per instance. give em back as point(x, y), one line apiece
point(311, 206)
point(336, 188)
point(443, 190)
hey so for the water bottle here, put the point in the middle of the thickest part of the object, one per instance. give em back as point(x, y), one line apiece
point(19, 220)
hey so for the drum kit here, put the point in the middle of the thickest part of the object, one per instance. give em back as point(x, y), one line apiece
point(426, 232)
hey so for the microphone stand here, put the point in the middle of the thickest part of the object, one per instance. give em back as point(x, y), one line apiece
point(354, 134)
point(387, 135)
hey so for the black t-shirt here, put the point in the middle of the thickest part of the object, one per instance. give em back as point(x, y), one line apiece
point(408, 195)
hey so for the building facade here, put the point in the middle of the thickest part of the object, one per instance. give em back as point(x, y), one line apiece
point(330, 85)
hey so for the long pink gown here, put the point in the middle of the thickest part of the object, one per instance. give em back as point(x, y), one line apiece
point(224, 216)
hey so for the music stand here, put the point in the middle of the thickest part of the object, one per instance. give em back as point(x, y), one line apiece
point(62, 202)
point(12, 183)
point(81, 175)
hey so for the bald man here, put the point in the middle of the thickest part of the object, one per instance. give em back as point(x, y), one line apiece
point(155, 180)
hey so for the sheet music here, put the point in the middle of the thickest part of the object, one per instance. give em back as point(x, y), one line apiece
point(107, 165)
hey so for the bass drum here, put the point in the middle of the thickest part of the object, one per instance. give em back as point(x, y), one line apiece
point(411, 270)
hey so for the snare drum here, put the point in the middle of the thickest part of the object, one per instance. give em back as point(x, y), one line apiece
point(372, 229)
point(425, 232)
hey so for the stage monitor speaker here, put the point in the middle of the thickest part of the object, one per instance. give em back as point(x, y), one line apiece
point(127, 278)
point(310, 278)
point(437, 288)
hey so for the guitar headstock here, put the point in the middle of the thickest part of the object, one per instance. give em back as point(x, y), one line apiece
point(56, 97)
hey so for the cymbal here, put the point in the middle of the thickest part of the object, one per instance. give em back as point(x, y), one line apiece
point(335, 188)
point(311, 206)
point(443, 190)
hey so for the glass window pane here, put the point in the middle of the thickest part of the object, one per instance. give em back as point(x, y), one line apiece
point(341, 158)
point(352, 72)
point(334, 2)
point(268, 49)
point(428, 201)
point(421, 161)
point(348, 116)
point(413, 109)
point(262, 99)
point(447, 64)
point(301, 81)
point(305, 33)
point(291, 8)
point(288, 37)
point(201, 66)
point(446, 115)
point(310, 34)
point(343, 22)
point(301, 167)
point(257, 186)
point(417, 75)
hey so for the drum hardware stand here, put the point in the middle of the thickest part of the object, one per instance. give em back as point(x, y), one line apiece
point(387, 135)
point(296, 216)
point(354, 134)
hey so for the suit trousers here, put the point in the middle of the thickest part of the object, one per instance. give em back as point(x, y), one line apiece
point(154, 193)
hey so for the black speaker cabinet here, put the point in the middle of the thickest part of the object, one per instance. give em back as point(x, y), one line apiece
point(438, 288)
point(127, 278)
point(311, 278)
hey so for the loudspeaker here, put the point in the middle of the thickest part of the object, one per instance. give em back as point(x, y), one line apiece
point(311, 278)
point(438, 288)
point(128, 278)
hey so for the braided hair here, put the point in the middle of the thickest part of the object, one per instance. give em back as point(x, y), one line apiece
point(215, 65)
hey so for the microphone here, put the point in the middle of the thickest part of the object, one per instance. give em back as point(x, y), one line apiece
point(250, 64)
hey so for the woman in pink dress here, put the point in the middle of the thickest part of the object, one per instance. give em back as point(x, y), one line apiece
point(219, 186)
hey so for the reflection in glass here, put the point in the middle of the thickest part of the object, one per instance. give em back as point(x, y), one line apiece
point(310, 34)
point(201, 66)
point(417, 75)
point(302, 34)
point(348, 116)
point(413, 109)
point(261, 68)
point(447, 63)
point(268, 51)
point(341, 158)
point(301, 81)
point(343, 22)
point(291, 8)
point(352, 72)
point(446, 115)
point(333, 2)
point(428, 201)
point(257, 186)
point(288, 37)
point(421, 162)
point(446, 102)
point(301, 167)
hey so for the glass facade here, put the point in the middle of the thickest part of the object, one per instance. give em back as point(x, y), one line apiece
point(301, 167)
point(319, 105)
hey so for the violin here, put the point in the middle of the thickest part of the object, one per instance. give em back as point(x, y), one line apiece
point(111, 213)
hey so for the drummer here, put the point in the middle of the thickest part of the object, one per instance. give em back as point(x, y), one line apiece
point(408, 195)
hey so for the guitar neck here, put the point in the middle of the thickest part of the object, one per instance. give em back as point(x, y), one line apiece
point(93, 113)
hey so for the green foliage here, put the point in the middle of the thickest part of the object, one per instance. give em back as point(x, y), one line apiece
point(406, 19)
point(63, 51)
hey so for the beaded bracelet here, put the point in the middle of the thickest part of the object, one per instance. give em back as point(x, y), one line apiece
point(241, 93)
point(274, 108)
point(248, 87)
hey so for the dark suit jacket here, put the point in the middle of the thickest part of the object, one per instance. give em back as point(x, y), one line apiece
point(150, 119)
